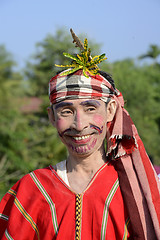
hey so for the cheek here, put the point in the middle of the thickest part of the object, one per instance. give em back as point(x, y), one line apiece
point(98, 119)
point(61, 125)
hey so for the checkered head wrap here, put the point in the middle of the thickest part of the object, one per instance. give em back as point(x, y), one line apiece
point(139, 182)
point(78, 86)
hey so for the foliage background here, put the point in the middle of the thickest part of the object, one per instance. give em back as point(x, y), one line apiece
point(28, 141)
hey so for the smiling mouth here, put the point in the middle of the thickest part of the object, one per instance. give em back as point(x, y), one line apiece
point(81, 139)
point(77, 138)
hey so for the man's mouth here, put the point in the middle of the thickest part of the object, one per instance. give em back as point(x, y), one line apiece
point(81, 137)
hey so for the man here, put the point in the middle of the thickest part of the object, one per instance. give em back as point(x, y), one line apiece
point(97, 192)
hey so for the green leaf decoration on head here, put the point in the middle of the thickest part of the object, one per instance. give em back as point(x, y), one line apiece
point(82, 61)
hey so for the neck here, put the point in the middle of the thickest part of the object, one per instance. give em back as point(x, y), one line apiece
point(86, 164)
point(80, 170)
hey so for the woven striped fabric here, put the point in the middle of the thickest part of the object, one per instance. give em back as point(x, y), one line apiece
point(139, 182)
point(79, 86)
point(42, 206)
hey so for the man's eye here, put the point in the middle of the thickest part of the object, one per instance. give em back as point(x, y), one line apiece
point(66, 112)
point(90, 109)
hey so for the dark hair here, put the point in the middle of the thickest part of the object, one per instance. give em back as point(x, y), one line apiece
point(108, 77)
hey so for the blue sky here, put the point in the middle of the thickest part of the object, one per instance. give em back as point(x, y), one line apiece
point(125, 28)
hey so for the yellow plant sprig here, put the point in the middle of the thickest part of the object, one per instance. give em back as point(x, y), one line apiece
point(83, 61)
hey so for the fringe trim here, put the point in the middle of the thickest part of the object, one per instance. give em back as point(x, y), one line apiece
point(120, 152)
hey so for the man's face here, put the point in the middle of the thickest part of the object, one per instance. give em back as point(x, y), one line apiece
point(81, 124)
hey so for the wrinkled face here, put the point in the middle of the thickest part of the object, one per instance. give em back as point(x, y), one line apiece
point(81, 124)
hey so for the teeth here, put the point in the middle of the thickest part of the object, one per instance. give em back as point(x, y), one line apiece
point(80, 138)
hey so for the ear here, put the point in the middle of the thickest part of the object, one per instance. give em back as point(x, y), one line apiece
point(51, 115)
point(111, 110)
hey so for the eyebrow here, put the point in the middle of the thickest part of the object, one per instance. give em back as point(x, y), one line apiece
point(90, 102)
point(63, 104)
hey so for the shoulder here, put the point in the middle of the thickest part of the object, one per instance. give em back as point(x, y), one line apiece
point(38, 173)
point(29, 196)
point(27, 184)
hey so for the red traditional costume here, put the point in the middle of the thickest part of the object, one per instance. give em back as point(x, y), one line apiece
point(42, 206)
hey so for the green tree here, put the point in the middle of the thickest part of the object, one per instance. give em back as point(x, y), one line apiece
point(23, 137)
point(153, 53)
point(11, 88)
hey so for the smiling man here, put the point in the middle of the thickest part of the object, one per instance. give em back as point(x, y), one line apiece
point(88, 176)
point(99, 192)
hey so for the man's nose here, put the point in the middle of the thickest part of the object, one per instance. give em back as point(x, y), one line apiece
point(80, 120)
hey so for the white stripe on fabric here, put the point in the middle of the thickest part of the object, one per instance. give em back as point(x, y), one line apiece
point(4, 217)
point(49, 200)
point(8, 236)
point(106, 209)
point(61, 84)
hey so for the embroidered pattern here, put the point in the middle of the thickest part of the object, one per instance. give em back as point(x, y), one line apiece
point(78, 215)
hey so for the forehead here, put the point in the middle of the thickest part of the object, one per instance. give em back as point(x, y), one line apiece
point(81, 102)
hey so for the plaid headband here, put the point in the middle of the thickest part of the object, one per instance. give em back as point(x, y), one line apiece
point(76, 85)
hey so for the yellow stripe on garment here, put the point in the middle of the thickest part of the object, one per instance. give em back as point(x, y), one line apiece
point(27, 216)
point(12, 192)
point(126, 229)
